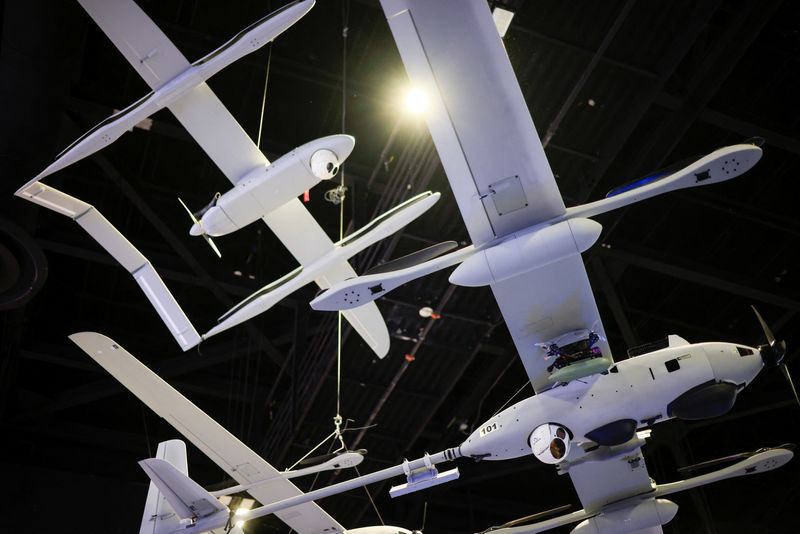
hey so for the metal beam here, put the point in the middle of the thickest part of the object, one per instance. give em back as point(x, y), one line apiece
point(552, 128)
point(108, 387)
point(634, 112)
point(727, 122)
point(717, 64)
point(654, 261)
point(614, 302)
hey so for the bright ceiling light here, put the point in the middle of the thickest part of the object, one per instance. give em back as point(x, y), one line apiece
point(240, 523)
point(502, 19)
point(416, 101)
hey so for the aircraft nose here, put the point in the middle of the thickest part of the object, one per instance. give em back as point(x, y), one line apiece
point(196, 229)
point(737, 364)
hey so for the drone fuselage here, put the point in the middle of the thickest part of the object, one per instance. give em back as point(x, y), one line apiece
point(265, 189)
point(689, 381)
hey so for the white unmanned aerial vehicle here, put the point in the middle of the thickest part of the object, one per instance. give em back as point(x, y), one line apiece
point(262, 190)
point(589, 415)
point(175, 502)
point(608, 469)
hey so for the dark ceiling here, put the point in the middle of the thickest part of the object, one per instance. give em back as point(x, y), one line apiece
point(618, 88)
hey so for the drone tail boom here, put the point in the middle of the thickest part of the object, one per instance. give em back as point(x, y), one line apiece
point(186, 497)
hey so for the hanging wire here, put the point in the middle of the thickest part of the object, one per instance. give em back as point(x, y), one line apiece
point(266, 82)
point(337, 420)
point(369, 496)
point(146, 432)
point(526, 384)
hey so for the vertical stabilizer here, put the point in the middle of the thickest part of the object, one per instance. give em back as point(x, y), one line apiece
point(159, 517)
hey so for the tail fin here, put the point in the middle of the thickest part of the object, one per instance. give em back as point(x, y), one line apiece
point(159, 517)
point(192, 504)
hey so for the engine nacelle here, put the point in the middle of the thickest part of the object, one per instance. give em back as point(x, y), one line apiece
point(550, 443)
point(646, 514)
point(527, 251)
point(324, 164)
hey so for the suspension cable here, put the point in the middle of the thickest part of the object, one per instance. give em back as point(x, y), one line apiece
point(264, 96)
point(337, 420)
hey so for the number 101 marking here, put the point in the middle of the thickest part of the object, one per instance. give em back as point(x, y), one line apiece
point(488, 428)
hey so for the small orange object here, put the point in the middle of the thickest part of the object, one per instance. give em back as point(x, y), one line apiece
point(436, 316)
point(306, 196)
point(410, 358)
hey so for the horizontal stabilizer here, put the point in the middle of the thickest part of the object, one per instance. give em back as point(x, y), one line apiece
point(763, 461)
point(729, 459)
point(122, 250)
point(185, 496)
point(718, 166)
point(415, 258)
point(361, 290)
point(760, 462)
point(158, 516)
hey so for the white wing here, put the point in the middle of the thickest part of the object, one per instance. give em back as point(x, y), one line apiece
point(494, 161)
point(157, 60)
point(239, 461)
point(477, 115)
point(604, 482)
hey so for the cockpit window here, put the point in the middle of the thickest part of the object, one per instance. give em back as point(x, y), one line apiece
point(744, 351)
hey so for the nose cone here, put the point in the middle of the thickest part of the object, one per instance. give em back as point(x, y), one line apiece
point(341, 145)
point(736, 364)
point(196, 229)
point(585, 232)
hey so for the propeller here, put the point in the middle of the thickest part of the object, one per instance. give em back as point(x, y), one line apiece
point(200, 224)
point(774, 352)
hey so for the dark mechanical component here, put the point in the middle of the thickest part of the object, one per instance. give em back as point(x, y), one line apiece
point(774, 353)
point(711, 399)
point(615, 433)
point(574, 352)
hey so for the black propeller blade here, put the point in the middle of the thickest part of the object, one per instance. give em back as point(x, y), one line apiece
point(774, 352)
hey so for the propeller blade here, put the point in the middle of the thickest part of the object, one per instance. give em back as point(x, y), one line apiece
point(767, 331)
point(202, 233)
point(212, 245)
point(785, 371)
point(194, 219)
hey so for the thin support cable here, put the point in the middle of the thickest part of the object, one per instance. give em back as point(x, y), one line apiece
point(337, 420)
point(526, 384)
point(317, 446)
point(264, 97)
point(369, 496)
point(146, 432)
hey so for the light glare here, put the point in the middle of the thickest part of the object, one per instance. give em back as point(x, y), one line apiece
point(416, 101)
